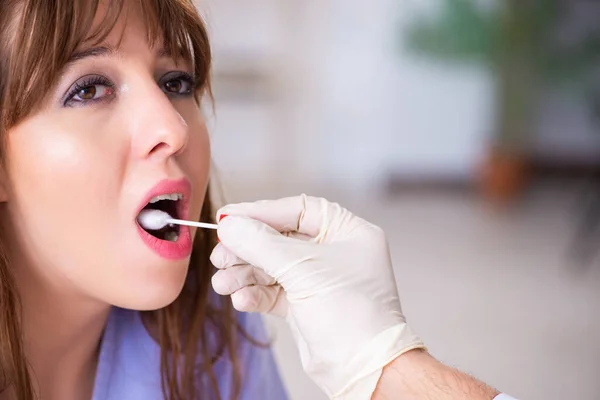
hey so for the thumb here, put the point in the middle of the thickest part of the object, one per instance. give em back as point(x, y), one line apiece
point(261, 245)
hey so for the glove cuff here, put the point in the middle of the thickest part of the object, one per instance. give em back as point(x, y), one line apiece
point(364, 370)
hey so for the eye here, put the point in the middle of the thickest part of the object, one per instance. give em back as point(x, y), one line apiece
point(92, 92)
point(177, 83)
point(175, 86)
point(89, 89)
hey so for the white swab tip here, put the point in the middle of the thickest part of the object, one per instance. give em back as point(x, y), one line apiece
point(153, 219)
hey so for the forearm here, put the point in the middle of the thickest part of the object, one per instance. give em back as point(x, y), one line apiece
point(417, 375)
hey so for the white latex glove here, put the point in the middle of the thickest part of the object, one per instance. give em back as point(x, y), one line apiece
point(329, 274)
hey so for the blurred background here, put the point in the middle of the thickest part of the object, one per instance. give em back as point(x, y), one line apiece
point(468, 129)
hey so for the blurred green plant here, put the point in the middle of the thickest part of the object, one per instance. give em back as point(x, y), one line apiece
point(519, 41)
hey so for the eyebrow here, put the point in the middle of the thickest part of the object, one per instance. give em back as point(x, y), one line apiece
point(104, 51)
point(91, 52)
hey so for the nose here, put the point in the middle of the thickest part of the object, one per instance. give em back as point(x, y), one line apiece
point(158, 130)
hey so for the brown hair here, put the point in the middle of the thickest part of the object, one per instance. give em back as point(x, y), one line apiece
point(37, 37)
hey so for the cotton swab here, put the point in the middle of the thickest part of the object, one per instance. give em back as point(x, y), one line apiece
point(156, 219)
point(191, 223)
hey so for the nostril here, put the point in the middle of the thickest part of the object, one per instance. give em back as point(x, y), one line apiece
point(162, 146)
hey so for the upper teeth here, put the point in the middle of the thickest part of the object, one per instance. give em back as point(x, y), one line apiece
point(171, 196)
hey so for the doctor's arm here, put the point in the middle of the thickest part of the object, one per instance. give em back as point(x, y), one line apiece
point(417, 375)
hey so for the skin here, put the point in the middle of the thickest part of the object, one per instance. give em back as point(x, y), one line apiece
point(75, 177)
point(417, 375)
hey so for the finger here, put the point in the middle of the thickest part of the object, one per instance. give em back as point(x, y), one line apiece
point(297, 235)
point(303, 214)
point(262, 246)
point(263, 299)
point(222, 258)
point(230, 280)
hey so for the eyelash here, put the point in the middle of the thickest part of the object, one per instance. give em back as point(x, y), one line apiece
point(85, 83)
point(182, 76)
point(98, 80)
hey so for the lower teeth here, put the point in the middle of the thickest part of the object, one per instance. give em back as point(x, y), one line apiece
point(171, 236)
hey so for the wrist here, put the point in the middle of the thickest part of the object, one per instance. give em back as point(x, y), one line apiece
point(410, 360)
point(417, 374)
point(407, 367)
point(359, 375)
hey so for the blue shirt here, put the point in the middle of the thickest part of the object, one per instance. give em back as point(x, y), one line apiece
point(129, 363)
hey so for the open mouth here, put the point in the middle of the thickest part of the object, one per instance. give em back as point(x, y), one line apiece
point(169, 203)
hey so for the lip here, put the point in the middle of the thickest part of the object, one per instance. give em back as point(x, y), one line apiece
point(181, 248)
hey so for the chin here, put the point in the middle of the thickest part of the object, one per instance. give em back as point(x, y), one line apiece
point(157, 287)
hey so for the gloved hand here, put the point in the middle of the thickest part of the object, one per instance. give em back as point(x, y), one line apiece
point(329, 274)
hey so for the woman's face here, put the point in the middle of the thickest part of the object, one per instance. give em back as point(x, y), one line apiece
point(120, 127)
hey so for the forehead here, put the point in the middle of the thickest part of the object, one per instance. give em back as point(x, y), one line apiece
point(124, 25)
point(137, 27)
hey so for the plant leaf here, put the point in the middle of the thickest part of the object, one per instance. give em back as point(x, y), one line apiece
point(463, 31)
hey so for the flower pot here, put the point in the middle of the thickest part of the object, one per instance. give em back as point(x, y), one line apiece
point(503, 176)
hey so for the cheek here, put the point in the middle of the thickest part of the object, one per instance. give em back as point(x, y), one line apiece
point(56, 169)
point(35, 158)
point(196, 160)
point(197, 154)
point(61, 182)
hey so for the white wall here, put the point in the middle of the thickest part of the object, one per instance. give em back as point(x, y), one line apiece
point(387, 109)
point(349, 103)
point(352, 104)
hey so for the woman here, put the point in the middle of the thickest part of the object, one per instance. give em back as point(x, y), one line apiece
point(100, 118)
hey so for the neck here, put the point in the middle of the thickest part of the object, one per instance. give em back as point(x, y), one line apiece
point(61, 333)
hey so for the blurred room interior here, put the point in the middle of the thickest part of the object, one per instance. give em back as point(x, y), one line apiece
point(468, 130)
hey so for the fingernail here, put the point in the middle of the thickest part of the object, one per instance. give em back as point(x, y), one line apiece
point(220, 218)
